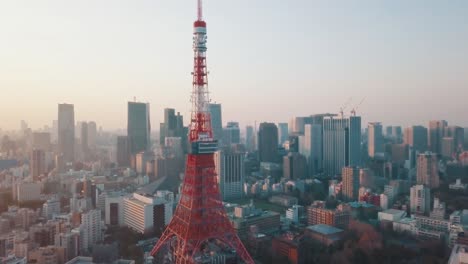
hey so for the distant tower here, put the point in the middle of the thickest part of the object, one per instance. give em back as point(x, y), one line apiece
point(66, 132)
point(268, 142)
point(138, 127)
point(375, 139)
point(200, 219)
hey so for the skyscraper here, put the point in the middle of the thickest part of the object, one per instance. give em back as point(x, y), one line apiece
point(428, 170)
point(216, 120)
point(375, 139)
point(312, 147)
point(436, 133)
point(66, 132)
point(458, 135)
point(92, 134)
point(268, 142)
point(138, 127)
point(41, 140)
point(84, 140)
point(448, 147)
point(341, 143)
point(294, 166)
point(230, 173)
point(123, 155)
point(37, 163)
point(250, 138)
point(420, 199)
point(231, 134)
point(350, 177)
point(283, 132)
point(416, 137)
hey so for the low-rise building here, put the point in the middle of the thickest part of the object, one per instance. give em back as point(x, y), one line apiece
point(318, 214)
point(284, 200)
point(246, 216)
point(391, 215)
point(324, 234)
point(458, 185)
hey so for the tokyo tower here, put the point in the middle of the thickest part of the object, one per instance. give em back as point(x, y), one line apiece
point(200, 221)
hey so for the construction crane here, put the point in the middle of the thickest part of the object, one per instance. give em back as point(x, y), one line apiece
point(353, 112)
point(343, 108)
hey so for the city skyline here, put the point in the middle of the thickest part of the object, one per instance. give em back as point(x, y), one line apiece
point(327, 53)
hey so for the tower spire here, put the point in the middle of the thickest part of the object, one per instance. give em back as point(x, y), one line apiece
point(200, 10)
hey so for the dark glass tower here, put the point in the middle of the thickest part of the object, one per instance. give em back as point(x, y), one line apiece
point(138, 127)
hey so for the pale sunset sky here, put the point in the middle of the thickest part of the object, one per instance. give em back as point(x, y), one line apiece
point(269, 60)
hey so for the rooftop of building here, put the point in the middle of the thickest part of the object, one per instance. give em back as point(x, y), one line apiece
point(324, 229)
point(406, 220)
point(361, 204)
point(264, 214)
point(393, 212)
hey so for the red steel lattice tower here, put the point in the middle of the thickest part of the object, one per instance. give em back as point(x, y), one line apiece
point(200, 217)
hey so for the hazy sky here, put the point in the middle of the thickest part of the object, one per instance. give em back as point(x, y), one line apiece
point(269, 59)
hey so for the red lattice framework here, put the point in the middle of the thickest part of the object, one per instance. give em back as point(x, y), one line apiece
point(200, 216)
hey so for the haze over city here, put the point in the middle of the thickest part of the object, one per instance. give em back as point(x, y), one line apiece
point(408, 59)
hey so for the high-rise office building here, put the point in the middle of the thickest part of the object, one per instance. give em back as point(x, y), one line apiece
point(294, 166)
point(250, 138)
point(268, 142)
point(341, 143)
point(428, 170)
point(123, 154)
point(90, 229)
point(420, 199)
point(297, 124)
point(394, 133)
point(311, 146)
point(173, 127)
point(231, 134)
point(230, 173)
point(92, 134)
point(458, 135)
point(84, 140)
point(350, 187)
point(448, 147)
point(145, 213)
point(41, 140)
point(216, 121)
point(138, 127)
point(37, 163)
point(283, 132)
point(435, 134)
point(416, 137)
point(66, 132)
point(375, 142)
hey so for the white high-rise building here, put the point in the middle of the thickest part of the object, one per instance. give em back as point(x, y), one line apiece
point(114, 210)
point(341, 143)
point(51, 208)
point(311, 147)
point(375, 142)
point(90, 229)
point(420, 199)
point(145, 213)
point(230, 174)
point(294, 212)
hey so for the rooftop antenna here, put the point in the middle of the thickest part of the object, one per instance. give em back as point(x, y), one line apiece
point(200, 10)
